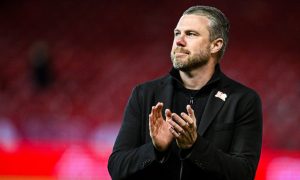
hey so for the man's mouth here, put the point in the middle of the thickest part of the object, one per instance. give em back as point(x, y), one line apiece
point(180, 54)
point(181, 51)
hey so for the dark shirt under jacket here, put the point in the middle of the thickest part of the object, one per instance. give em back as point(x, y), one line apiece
point(229, 133)
point(196, 98)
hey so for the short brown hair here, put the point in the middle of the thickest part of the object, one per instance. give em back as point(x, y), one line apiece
point(219, 24)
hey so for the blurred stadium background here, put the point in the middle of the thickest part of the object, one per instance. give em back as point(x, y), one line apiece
point(68, 67)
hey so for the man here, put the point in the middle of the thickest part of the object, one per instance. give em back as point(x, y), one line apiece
point(194, 123)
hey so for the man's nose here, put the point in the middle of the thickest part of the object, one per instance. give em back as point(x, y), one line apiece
point(180, 41)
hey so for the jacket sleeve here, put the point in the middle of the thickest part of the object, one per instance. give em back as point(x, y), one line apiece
point(129, 154)
point(241, 161)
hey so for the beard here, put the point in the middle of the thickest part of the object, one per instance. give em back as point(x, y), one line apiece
point(192, 62)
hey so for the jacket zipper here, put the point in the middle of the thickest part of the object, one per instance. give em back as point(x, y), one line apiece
point(181, 170)
point(191, 100)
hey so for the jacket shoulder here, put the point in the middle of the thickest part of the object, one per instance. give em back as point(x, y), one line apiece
point(239, 88)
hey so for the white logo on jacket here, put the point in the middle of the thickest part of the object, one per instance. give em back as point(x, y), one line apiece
point(221, 95)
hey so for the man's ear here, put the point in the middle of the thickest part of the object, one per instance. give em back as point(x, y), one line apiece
point(216, 45)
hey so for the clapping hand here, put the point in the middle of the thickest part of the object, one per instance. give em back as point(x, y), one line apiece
point(184, 128)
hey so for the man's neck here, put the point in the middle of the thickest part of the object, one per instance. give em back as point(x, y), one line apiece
point(197, 78)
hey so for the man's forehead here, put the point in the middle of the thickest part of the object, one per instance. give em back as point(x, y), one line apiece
point(192, 21)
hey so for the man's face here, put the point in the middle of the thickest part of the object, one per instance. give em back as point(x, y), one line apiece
point(191, 45)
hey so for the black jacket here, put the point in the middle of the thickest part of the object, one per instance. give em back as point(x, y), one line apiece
point(229, 136)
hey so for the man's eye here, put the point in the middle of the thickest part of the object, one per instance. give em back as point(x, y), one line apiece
point(191, 34)
point(176, 33)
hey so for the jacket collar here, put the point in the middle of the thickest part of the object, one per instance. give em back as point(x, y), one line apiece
point(165, 94)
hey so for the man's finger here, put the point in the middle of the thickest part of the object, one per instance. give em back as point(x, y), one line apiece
point(175, 133)
point(188, 120)
point(176, 127)
point(178, 120)
point(191, 113)
point(168, 113)
point(158, 110)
